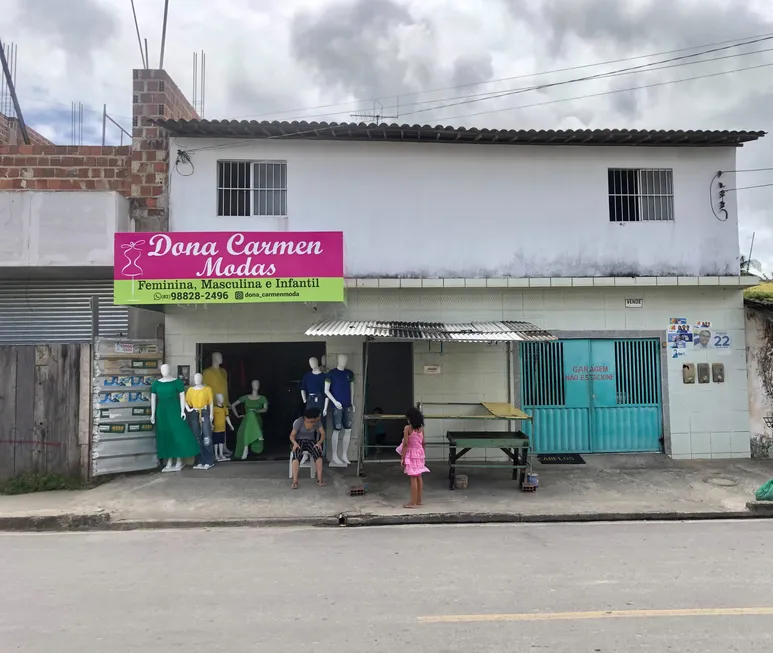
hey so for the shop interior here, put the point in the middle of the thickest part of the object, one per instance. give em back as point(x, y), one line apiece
point(389, 390)
point(279, 366)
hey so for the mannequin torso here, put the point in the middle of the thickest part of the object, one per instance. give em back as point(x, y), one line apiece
point(199, 397)
point(313, 382)
point(217, 378)
point(341, 380)
point(313, 388)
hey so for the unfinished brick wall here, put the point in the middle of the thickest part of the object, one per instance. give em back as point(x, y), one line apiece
point(155, 97)
point(139, 172)
point(10, 133)
point(64, 167)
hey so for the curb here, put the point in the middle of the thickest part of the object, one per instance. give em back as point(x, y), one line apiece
point(103, 521)
point(54, 523)
point(760, 508)
point(181, 524)
point(516, 518)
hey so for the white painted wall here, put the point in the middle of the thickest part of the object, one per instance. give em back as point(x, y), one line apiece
point(418, 210)
point(705, 420)
point(44, 228)
point(759, 359)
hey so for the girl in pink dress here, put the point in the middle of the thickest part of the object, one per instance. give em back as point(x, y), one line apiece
point(412, 455)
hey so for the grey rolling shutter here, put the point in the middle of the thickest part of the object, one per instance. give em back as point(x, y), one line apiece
point(38, 311)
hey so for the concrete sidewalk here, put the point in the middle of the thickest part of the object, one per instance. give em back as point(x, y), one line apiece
point(607, 487)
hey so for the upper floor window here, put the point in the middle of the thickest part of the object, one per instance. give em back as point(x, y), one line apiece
point(640, 195)
point(252, 188)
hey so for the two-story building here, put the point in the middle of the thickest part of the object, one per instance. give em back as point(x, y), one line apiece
point(589, 277)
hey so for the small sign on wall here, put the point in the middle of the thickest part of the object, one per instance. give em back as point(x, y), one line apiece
point(634, 302)
point(432, 369)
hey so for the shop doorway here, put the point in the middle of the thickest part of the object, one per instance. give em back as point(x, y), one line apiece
point(279, 366)
point(389, 389)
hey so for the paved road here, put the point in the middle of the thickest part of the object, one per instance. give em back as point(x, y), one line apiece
point(557, 588)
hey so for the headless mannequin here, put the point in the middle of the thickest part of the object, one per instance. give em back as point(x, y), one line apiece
point(198, 384)
point(172, 464)
point(216, 378)
point(220, 452)
point(313, 398)
point(253, 395)
point(347, 407)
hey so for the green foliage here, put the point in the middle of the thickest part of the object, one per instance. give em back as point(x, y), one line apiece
point(761, 293)
point(31, 482)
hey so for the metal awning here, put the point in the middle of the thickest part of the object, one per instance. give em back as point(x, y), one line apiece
point(438, 331)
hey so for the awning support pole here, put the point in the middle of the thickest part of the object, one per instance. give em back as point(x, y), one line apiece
point(363, 427)
point(510, 389)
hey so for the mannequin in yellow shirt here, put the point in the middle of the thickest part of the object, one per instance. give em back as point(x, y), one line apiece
point(221, 419)
point(217, 378)
point(199, 404)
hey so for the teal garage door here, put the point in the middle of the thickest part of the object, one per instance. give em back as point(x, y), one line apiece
point(592, 396)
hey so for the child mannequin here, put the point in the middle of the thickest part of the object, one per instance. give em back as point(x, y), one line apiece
point(221, 420)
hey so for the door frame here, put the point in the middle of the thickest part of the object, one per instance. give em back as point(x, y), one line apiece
point(653, 334)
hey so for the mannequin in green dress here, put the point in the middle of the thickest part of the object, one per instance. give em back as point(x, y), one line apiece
point(250, 434)
point(174, 439)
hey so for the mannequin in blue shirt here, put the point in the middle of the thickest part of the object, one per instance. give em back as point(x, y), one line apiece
point(313, 388)
point(339, 388)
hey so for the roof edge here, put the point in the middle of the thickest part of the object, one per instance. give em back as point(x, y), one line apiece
point(252, 129)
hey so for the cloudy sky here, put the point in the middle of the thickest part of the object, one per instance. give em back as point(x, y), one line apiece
point(328, 59)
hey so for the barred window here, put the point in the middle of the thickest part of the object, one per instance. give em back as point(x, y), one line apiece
point(252, 188)
point(640, 195)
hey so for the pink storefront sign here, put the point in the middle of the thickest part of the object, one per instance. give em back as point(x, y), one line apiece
point(228, 255)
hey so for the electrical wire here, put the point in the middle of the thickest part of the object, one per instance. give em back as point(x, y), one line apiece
point(749, 170)
point(614, 91)
point(306, 110)
point(722, 209)
point(523, 106)
point(607, 75)
point(62, 105)
point(730, 190)
point(724, 191)
point(183, 157)
point(639, 68)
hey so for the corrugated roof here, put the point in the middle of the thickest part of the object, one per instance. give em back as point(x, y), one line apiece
point(440, 331)
point(445, 134)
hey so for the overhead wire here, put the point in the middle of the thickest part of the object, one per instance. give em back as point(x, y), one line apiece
point(730, 190)
point(607, 75)
point(613, 91)
point(749, 170)
point(631, 69)
point(738, 42)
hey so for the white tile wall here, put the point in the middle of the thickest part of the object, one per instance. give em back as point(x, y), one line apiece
point(705, 420)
